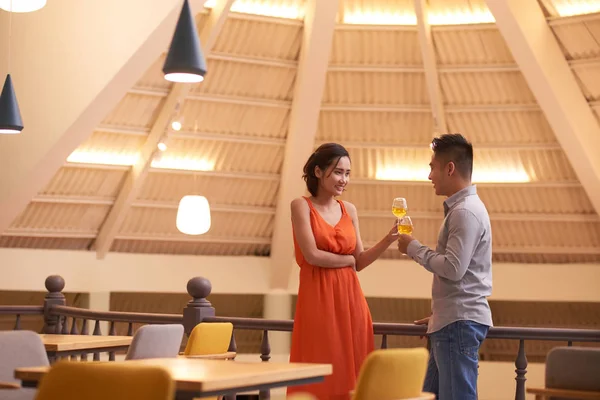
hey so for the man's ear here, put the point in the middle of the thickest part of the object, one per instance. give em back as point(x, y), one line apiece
point(451, 168)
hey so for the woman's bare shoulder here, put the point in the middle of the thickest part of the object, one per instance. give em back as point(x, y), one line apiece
point(351, 208)
point(299, 203)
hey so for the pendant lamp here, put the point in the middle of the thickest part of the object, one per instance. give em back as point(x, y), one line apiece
point(193, 215)
point(185, 61)
point(10, 116)
point(22, 6)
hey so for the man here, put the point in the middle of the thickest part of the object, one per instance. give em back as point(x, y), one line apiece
point(462, 273)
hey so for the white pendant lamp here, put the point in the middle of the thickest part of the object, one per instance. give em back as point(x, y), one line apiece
point(22, 6)
point(193, 215)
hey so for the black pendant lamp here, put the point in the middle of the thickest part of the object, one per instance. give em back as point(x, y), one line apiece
point(185, 61)
point(10, 116)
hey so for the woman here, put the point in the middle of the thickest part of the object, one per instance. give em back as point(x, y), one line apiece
point(332, 323)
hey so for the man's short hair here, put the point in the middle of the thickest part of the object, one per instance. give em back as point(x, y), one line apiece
point(454, 147)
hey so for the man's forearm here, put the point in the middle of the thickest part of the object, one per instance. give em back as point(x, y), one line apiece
point(432, 261)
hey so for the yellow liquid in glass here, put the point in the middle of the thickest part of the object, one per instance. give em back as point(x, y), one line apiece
point(405, 229)
point(399, 212)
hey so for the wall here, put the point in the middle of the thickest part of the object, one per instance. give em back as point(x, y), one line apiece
point(25, 269)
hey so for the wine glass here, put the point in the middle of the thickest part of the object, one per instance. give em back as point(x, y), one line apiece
point(399, 207)
point(405, 225)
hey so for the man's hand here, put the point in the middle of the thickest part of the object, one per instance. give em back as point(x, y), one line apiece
point(422, 321)
point(403, 241)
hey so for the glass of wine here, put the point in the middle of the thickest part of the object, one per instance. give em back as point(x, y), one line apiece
point(405, 225)
point(399, 207)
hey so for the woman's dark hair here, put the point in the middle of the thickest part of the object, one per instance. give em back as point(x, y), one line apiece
point(326, 155)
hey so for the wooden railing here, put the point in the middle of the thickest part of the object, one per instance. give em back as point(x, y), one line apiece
point(199, 309)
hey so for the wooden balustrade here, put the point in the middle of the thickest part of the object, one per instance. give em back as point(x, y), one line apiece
point(199, 309)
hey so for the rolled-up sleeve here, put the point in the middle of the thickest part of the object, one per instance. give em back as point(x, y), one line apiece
point(464, 232)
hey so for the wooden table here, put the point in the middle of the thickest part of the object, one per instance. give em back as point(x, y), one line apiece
point(206, 378)
point(67, 345)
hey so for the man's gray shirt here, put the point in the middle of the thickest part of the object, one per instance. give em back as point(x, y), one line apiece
point(461, 263)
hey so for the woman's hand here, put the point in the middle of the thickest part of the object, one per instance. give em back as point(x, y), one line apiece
point(392, 235)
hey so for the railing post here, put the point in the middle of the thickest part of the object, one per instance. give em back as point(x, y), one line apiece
point(265, 355)
point(54, 284)
point(521, 364)
point(198, 308)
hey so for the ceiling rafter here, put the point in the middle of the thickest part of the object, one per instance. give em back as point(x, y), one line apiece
point(223, 137)
point(134, 180)
point(549, 76)
point(229, 208)
point(393, 69)
point(430, 64)
point(214, 98)
point(423, 108)
point(355, 181)
point(317, 41)
point(207, 239)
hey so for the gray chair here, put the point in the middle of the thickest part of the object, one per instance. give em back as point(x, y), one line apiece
point(156, 341)
point(571, 371)
point(19, 349)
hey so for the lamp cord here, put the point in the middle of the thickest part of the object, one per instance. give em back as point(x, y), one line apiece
point(9, 33)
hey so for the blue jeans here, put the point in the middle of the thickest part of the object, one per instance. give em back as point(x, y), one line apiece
point(453, 361)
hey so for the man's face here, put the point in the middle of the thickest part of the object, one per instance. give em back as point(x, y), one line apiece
point(438, 175)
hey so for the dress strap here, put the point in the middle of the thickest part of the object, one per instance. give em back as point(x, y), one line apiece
point(310, 205)
point(342, 206)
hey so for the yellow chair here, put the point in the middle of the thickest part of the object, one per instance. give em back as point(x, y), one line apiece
point(393, 374)
point(102, 381)
point(210, 340)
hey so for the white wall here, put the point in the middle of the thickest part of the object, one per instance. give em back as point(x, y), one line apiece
point(24, 269)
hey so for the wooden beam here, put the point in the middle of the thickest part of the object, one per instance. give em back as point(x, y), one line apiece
point(431, 73)
point(265, 62)
point(197, 239)
point(243, 101)
point(230, 208)
point(538, 54)
point(517, 217)
point(135, 179)
point(407, 108)
point(317, 40)
point(257, 240)
point(402, 69)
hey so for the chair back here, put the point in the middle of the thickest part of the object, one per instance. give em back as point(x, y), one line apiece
point(209, 338)
point(68, 380)
point(573, 368)
point(19, 349)
point(392, 374)
point(156, 341)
